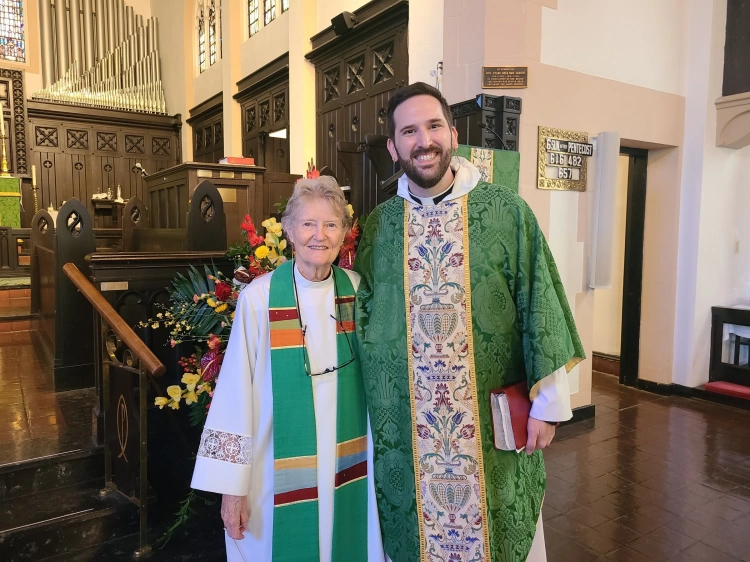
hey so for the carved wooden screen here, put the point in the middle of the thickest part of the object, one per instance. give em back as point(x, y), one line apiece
point(12, 98)
point(355, 75)
point(208, 139)
point(264, 102)
point(80, 152)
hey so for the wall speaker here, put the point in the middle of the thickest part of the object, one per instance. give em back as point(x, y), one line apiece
point(343, 23)
point(601, 243)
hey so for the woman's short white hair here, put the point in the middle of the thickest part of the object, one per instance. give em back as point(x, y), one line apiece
point(324, 187)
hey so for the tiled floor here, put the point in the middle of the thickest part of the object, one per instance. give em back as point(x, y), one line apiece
point(649, 479)
point(34, 420)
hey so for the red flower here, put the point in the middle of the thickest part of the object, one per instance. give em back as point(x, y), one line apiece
point(211, 364)
point(251, 232)
point(414, 264)
point(214, 342)
point(423, 431)
point(223, 291)
point(244, 276)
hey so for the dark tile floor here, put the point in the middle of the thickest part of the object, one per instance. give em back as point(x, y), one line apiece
point(35, 421)
point(651, 478)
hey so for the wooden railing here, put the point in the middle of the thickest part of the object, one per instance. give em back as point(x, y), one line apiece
point(127, 364)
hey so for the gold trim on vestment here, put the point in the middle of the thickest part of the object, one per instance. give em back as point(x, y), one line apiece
point(473, 380)
point(351, 447)
point(296, 462)
point(295, 503)
point(412, 400)
point(350, 481)
point(9, 194)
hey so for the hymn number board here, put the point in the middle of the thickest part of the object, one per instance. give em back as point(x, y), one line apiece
point(563, 157)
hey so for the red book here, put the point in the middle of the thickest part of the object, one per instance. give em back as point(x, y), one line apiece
point(510, 407)
point(237, 160)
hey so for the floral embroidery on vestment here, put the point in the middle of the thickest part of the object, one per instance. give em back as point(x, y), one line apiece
point(449, 463)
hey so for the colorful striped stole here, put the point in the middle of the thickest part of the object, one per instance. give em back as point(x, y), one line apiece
point(295, 520)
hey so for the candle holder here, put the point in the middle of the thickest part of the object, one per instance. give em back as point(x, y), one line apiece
point(4, 172)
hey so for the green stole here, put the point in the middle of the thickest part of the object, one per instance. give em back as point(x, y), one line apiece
point(295, 517)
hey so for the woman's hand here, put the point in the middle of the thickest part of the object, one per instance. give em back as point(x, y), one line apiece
point(235, 515)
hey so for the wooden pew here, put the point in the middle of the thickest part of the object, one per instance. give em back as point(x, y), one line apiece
point(63, 320)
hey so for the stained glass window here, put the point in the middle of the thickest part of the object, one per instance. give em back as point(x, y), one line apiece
point(269, 11)
point(12, 42)
point(253, 17)
point(201, 38)
point(212, 36)
point(284, 5)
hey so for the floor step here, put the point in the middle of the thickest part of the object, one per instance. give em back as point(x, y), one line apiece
point(16, 296)
point(48, 472)
point(80, 521)
point(728, 389)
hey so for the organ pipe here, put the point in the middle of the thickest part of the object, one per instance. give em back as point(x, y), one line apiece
point(111, 62)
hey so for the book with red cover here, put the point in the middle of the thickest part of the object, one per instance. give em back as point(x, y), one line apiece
point(510, 406)
point(237, 160)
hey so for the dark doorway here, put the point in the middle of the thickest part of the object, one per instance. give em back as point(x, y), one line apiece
point(635, 222)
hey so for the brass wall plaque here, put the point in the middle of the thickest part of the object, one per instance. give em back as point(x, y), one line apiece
point(563, 157)
point(228, 195)
point(205, 174)
point(505, 77)
point(113, 286)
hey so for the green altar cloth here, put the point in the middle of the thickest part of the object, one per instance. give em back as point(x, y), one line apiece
point(10, 202)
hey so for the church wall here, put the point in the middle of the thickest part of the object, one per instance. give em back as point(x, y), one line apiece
point(33, 65)
point(329, 8)
point(268, 44)
point(178, 61)
point(425, 39)
point(638, 42)
point(711, 225)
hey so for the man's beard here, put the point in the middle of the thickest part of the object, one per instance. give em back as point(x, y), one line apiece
point(428, 179)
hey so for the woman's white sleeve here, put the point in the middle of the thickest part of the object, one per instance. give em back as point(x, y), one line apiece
point(226, 450)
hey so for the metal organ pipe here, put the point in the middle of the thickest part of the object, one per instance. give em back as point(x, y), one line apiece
point(121, 21)
point(61, 31)
point(89, 49)
point(111, 27)
point(101, 34)
point(48, 64)
point(76, 43)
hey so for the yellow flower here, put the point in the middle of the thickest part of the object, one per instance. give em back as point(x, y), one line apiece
point(221, 308)
point(190, 380)
point(271, 239)
point(350, 210)
point(273, 256)
point(272, 226)
point(161, 401)
point(261, 252)
point(232, 317)
point(174, 405)
point(175, 392)
point(211, 303)
point(190, 398)
point(155, 325)
point(282, 245)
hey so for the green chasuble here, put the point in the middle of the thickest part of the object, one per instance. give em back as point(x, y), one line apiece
point(486, 309)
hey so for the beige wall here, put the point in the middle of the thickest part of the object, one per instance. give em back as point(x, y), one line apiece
point(640, 42)
point(608, 302)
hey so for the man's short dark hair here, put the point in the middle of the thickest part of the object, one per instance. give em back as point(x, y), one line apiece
point(416, 89)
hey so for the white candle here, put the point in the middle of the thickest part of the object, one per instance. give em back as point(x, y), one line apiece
point(2, 120)
point(33, 175)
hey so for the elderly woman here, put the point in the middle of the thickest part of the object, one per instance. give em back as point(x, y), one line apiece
point(286, 440)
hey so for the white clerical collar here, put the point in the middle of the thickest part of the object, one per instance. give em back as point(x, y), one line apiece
point(466, 177)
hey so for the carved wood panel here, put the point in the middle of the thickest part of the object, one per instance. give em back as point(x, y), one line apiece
point(208, 140)
point(263, 113)
point(354, 83)
point(80, 158)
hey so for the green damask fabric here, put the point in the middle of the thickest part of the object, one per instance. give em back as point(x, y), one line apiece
point(500, 167)
point(521, 325)
point(10, 207)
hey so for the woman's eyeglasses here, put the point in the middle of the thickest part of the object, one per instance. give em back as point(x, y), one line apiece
point(305, 355)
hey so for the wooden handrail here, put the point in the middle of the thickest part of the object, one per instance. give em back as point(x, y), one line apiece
point(145, 356)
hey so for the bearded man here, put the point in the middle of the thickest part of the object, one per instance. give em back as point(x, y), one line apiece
point(459, 296)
